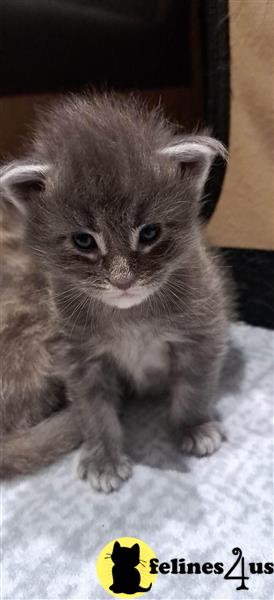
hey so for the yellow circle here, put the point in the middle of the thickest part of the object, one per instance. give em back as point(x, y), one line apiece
point(123, 569)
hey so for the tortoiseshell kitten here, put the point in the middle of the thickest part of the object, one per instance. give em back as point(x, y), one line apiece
point(109, 194)
point(33, 428)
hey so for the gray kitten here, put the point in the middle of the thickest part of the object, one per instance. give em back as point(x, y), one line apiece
point(110, 198)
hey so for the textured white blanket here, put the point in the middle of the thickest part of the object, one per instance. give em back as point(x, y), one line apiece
point(54, 526)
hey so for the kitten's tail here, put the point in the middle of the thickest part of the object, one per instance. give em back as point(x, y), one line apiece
point(141, 589)
point(24, 452)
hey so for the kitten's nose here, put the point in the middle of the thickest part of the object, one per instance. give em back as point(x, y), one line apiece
point(122, 283)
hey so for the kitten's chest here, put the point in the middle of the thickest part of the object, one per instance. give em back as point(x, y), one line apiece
point(142, 354)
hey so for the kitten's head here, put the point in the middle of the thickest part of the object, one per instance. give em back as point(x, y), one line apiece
point(125, 557)
point(110, 195)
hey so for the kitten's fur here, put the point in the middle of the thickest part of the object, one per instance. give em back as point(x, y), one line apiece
point(107, 166)
point(30, 393)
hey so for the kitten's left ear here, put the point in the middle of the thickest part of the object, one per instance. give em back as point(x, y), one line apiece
point(136, 549)
point(19, 179)
point(195, 153)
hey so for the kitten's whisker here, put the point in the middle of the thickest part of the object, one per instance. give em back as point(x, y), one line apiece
point(38, 251)
point(78, 312)
point(88, 314)
point(68, 302)
point(66, 291)
point(68, 295)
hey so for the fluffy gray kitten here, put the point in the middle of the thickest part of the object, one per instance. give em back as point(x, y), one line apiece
point(110, 198)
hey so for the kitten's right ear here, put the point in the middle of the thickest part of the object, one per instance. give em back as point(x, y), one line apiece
point(19, 179)
point(116, 545)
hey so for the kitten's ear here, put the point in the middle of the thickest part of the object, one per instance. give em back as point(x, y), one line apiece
point(116, 546)
point(136, 550)
point(19, 179)
point(195, 153)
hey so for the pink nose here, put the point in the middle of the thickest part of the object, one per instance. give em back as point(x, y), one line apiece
point(123, 283)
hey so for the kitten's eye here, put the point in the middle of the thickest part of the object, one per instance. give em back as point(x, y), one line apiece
point(149, 233)
point(84, 241)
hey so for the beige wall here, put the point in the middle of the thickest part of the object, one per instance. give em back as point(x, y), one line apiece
point(245, 213)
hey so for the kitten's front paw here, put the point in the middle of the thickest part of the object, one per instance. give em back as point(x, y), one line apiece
point(202, 439)
point(103, 476)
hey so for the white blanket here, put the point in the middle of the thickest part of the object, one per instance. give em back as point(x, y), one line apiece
point(54, 526)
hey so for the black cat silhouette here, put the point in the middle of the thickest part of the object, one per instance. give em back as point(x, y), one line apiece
point(126, 578)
